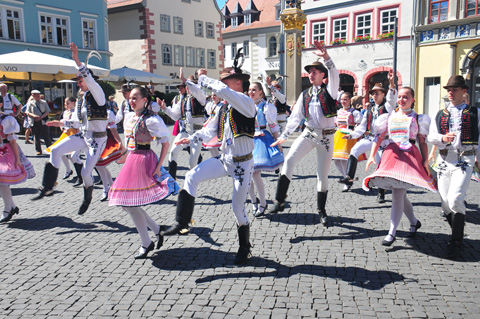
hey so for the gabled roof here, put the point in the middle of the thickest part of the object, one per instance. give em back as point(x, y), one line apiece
point(225, 11)
point(251, 8)
point(266, 10)
point(237, 10)
point(121, 3)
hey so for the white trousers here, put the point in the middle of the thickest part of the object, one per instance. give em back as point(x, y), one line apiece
point(304, 144)
point(93, 148)
point(213, 168)
point(364, 145)
point(195, 150)
point(453, 176)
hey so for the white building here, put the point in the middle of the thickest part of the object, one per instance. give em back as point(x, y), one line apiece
point(163, 36)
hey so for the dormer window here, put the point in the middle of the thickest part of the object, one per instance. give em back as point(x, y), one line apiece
point(248, 19)
point(234, 22)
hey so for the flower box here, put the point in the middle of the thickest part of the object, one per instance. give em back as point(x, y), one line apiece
point(387, 35)
point(363, 38)
point(338, 41)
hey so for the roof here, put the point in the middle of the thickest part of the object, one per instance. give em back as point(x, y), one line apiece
point(121, 3)
point(266, 8)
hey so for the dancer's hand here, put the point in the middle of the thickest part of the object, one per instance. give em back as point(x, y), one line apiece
point(449, 137)
point(75, 58)
point(277, 142)
point(427, 167)
point(371, 160)
point(182, 141)
point(54, 123)
point(321, 50)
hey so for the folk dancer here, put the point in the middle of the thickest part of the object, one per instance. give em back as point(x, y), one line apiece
point(142, 179)
point(91, 117)
point(367, 130)
point(234, 126)
point(403, 165)
point(211, 109)
point(455, 132)
point(318, 106)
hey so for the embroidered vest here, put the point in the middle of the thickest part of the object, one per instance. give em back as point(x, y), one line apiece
point(94, 111)
point(381, 110)
point(239, 123)
point(197, 109)
point(327, 103)
point(469, 129)
point(261, 118)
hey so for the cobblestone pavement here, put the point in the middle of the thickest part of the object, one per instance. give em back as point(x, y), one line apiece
point(58, 264)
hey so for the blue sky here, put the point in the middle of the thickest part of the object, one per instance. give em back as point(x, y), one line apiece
point(221, 3)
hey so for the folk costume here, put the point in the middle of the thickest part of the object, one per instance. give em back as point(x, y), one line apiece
point(280, 103)
point(90, 116)
point(234, 125)
point(212, 108)
point(401, 165)
point(457, 160)
point(10, 172)
point(135, 185)
point(318, 106)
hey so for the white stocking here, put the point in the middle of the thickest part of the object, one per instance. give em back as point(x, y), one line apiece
point(66, 162)
point(341, 166)
point(398, 203)
point(6, 194)
point(138, 217)
point(257, 178)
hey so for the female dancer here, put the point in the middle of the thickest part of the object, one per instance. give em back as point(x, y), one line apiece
point(402, 165)
point(14, 166)
point(347, 118)
point(265, 157)
point(142, 180)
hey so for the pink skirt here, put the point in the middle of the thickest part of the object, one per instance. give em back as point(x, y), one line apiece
point(400, 169)
point(9, 173)
point(135, 184)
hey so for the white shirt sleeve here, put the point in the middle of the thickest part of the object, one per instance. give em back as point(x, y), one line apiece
point(156, 127)
point(93, 86)
point(276, 93)
point(197, 92)
point(361, 128)
point(391, 100)
point(295, 118)
point(333, 79)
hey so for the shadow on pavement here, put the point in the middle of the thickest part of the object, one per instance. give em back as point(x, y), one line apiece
point(205, 234)
point(23, 191)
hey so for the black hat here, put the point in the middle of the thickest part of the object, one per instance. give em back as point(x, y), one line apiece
point(79, 75)
point(377, 87)
point(235, 72)
point(456, 81)
point(181, 85)
point(319, 66)
point(127, 87)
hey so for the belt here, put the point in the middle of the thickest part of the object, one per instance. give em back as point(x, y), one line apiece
point(244, 158)
point(462, 153)
point(281, 121)
point(5, 141)
point(197, 126)
point(143, 147)
point(99, 134)
point(324, 132)
point(263, 127)
point(412, 141)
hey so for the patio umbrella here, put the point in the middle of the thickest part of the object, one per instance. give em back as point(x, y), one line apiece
point(126, 74)
point(36, 66)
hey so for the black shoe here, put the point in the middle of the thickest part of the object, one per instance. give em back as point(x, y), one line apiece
point(78, 183)
point(160, 238)
point(412, 234)
point(380, 199)
point(12, 212)
point(244, 252)
point(146, 251)
point(388, 243)
point(42, 192)
point(175, 229)
point(323, 217)
point(346, 180)
point(87, 199)
point(78, 170)
point(453, 249)
point(104, 198)
point(68, 174)
point(277, 207)
point(259, 213)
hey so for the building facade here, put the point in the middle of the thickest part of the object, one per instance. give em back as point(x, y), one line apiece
point(48, 26)
point(155, 37)
point(448, 43)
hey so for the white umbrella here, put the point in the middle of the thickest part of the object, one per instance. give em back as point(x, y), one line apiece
point(126, 74)
point(31, 65)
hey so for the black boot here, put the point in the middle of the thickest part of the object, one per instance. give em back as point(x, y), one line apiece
point(381, 196)
point(50, 174)
point(282, 188)
point(200, 159)
point(87, 199)
point(183, 216)
point(449, 217)
point(351, 169)
point(78, 170)
point(321, 201)
point(455, 245)
point(172, 169)
point(244, 252)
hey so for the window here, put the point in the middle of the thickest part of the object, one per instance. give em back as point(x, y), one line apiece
point(198, 28)
point(340, 29)
point(248, 19)
point(246, 48)
point(212, 59)
point(190, 56)
point(234, 50)
point(387, 20)
point(187, 1)
point(234, 22)
point(272, 46)
point(164, 23)
point(277, 13)
point(210, 30)
point(88, 33)
point(178, 55)
point(178, 25)
point(472, 7)
point(200, 58)
point(224, 23)
point(364, 25)
point(167, 54)
point(303, 35)
point(318, 31)
point(438, 11)
point(11, 24)
point(53, 30)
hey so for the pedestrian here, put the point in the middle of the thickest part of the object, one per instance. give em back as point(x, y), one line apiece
point(14, 165)
point(234, 126)
point(37, 111)
point(112, 105)
point(26, 122)
point(455, 132)
point(403, 165)
point(11, 105)
point(318, 106)
point(366, 129)
point(265, 157)
point(347, 118)
point(142, 179)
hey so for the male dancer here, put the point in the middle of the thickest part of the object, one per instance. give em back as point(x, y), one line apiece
point(91, 116)
point(455, 131)
point(318, 106)
point(234, 126)
point(367, 129)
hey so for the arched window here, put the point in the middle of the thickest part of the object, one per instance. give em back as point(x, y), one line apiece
point(272, 46)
